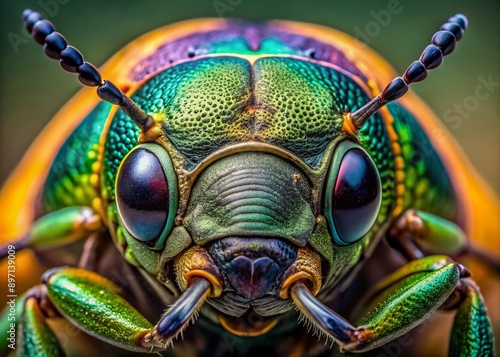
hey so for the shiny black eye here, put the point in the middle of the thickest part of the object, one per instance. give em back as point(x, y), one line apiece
point(144, 195)
point(353, 196)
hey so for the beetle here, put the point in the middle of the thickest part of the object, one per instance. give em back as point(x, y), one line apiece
point(256, 169)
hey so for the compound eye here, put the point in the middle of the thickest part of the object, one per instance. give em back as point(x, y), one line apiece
point(355, 196)
point(142, 195)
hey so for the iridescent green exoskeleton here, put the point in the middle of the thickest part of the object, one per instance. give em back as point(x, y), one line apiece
point(248, 171)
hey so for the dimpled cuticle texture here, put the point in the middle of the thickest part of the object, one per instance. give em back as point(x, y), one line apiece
point(68, 181)
point(428, 186)
point(207, 103)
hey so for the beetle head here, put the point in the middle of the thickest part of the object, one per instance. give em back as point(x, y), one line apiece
point(255, 222)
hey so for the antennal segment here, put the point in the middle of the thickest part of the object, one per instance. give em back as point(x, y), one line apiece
point(443, 43)
point(56, 47)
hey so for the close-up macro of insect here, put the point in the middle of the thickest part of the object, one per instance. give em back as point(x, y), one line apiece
point(235, 187)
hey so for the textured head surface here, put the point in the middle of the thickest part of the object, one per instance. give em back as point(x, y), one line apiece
point(238, 83)
point(210, 102)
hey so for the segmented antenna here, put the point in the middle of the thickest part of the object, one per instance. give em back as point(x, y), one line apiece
point(56, 47)
point(443, 43)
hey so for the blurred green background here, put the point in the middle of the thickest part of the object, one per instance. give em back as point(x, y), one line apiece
point(34, 87)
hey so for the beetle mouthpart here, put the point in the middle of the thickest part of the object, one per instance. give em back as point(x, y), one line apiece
point(247, 327)
point(199, 278)
point(252, 266)
point(177, 316)
point(197, 263)
point(307, 269)
point(321, 317)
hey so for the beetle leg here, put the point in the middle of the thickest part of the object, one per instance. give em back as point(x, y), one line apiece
point(10, 315)
point(91, 303)
point(35, 336)
point(412, 303)
point(87, 300)
point(406, 275)
point(57, 228)
point(90, 252)
point(415, 229)
point(430, 232)
point(25, 318)
point(472, 334)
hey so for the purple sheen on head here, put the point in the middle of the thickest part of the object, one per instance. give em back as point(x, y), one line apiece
point(252, 34)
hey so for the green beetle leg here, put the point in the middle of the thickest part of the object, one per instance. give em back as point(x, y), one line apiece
point(8, 323)
point(472, 333)
point(91, 302)
point(433, 233)
point(418, 229)
point(407, 308)
point(58, 228)
point(24, 323)
point(35, 336)
point(403, 277)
